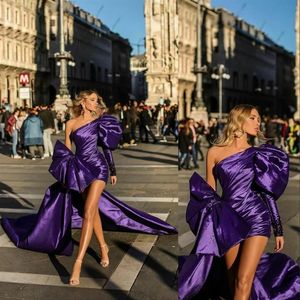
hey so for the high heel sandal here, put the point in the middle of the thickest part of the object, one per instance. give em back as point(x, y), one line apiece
point(73, 280)
point(104, 262)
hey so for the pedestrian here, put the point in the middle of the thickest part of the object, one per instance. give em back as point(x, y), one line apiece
point(185, 144)
point(20, 122)
point(125, 121)
point(48, 128)
point(11, 129)
point(145, 123)
point(232, 231)
point(33, 134)
point(2, 126)
point(74, 200)
point(134, 119)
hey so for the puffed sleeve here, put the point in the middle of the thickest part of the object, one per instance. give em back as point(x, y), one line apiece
point(110, 133)
point(271, 166)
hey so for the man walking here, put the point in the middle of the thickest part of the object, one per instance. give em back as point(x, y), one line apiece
point(48, 121)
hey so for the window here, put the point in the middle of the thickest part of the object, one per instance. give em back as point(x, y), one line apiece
point(92, 72)
point(17, 17)
point(245, 82)
point(235, 81)
point(99, 74)
point(255, 84)
point(8, 13)
point(25, 20)
point(106, 75)
point(8, 50)
point(82, 70)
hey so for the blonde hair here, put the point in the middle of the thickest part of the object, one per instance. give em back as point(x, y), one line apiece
point(235, 121)
point(77, 108)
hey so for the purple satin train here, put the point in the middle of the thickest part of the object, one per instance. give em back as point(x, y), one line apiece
point(252, 181)
point(61, 209)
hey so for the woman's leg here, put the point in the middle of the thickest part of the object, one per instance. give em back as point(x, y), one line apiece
point(231, 260)
point(90, 208)
point(249, 256)
point(98, 230)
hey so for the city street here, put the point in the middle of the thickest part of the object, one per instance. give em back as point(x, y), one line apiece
point(147, 179)
point(288, 206)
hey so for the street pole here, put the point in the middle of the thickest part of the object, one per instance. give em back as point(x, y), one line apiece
point(219, 75)
point(199, 100)
point(63, 59)
point(63, 84)
point(220, 96)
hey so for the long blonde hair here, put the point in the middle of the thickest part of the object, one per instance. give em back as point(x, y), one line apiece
point(77, 107)
point(235, 121)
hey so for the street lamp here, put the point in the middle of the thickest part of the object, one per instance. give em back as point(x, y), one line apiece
point(220, 75)
point(64, 58)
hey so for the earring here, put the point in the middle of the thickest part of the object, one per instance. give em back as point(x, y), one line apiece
point(238, 133)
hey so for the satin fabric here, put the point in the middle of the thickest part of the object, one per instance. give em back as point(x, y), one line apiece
point(251, 180)
point(62, 207)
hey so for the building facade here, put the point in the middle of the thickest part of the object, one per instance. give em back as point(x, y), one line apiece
point(29, 41)
point(138, 67)
point(187, 52)
point(23, 48)
point(161, 18)
point(260, 71)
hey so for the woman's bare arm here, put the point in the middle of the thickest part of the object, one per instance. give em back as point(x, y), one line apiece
point(69, 126)
point(210, 162)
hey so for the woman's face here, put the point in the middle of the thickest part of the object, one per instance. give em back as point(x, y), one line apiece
point(91, 102)
point(252, 123)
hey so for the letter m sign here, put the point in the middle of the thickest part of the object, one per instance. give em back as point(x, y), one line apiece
point(24, 78)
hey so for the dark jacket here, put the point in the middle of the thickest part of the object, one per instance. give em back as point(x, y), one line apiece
point(184, 141)
point(47, 118)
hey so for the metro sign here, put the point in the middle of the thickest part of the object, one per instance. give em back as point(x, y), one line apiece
point(24, 78)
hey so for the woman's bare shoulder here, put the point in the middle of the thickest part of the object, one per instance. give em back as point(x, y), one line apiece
point(70, 123)
point(215, 152)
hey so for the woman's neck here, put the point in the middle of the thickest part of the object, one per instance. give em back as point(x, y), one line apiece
point(240, 143)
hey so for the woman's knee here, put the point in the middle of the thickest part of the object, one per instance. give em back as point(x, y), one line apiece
point(243, 282)
point(89, 214)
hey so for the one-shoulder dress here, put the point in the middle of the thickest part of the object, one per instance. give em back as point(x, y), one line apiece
point(251, 181)
point(61, 209)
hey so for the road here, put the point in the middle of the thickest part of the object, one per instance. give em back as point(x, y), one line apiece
point(140, 265)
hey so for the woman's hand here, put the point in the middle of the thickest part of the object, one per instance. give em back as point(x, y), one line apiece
point(113, 180)
point(279, 242)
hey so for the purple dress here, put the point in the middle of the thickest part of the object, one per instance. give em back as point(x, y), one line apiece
point(252, 181)
point(61, 210)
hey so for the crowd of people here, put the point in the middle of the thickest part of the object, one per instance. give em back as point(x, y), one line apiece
point(192, 135)
point(29, 130)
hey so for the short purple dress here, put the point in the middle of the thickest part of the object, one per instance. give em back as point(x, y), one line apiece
point(251, 181)
point(61, 210)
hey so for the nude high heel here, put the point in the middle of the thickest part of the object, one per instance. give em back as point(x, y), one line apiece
point(75, 280)
point(104, 262)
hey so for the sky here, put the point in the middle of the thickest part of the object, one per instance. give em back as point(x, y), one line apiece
point(125, 17)
point(275, 17)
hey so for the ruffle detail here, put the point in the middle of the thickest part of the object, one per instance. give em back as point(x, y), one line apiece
point(216, 225)
point(68, 170)
point(271, 166)
point(109, 132)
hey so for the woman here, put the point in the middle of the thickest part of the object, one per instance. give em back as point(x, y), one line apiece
point(185, 144)
point(75, 200)
point(13, 132)
point(22, 117)
point(33, 134)
point(232, 231)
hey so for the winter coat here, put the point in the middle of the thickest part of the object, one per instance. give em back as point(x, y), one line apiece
point(33, 131)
